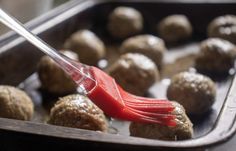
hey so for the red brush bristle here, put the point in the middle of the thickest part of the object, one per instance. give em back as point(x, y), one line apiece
point(117, 103)
point(152, 108)
point(155, 115)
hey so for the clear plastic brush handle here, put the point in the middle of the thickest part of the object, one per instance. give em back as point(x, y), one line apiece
point(79, 72)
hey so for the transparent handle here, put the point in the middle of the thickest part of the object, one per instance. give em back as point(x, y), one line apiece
point(80, 73)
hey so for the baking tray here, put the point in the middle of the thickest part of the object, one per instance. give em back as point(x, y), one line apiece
point(18, 60)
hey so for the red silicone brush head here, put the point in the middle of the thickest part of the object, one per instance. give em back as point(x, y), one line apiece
point(117, 103)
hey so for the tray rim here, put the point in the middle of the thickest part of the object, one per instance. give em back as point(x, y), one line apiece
point(223, 130)
point(31, 24)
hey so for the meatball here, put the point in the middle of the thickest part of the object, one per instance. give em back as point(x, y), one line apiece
point(174, 28)
point(194, 91)
point(216, 56)
point(87, 45)
point(78, 111)
point(134, 72)
point(15, 103)
point(124, 22)
point(149, 45)
point(223, 27)
point(53, 78)
point(183, 130)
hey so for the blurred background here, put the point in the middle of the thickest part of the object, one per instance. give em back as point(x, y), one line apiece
point(25, 10)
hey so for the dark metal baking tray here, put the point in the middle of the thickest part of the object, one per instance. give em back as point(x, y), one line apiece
point(18, 60)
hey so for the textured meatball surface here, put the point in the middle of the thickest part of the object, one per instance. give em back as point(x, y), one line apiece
point(53, 78)
point(78, 111)
point(194, 91)
point(149, 45)
point(223, 27)
point(15, 103)
point(124, 22)
point(174, 28)
point(216, 56)
point(134, 72)
point(87, 45)
point(183, 130)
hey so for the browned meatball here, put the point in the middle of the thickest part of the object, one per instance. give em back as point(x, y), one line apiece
point(53, 78)
point(223, 27)
point(87, 45)
point(124, 22)
point(183, 129)
point(79, 112)
point(15, 103)
point(149, 45)
point(174, 28)
point(134, 72)
point(216, 56)
point(194, 91)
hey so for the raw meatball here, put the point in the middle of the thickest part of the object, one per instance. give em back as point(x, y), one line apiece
point(124, 22)
point(174, 28)
point(223, 27)
point(149, 45)
point(183, 129)
point(87, 45)
point(134, 72)
point(194, 91)
point(53, 78)
point(15, 103)
point(216, 56)
point(79, 112)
